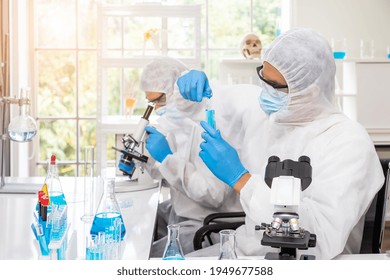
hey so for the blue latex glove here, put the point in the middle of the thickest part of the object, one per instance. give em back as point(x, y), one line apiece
point(194, 86)
point(221, 158)
point(157, 145)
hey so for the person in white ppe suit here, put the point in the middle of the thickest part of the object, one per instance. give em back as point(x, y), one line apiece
point(174, 149)
point(298, 117)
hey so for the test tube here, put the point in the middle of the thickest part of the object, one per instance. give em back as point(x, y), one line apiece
point(89, 193)
point(210, 117)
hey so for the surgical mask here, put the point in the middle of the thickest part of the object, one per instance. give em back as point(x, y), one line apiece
point(161, 111)
point(272, 100)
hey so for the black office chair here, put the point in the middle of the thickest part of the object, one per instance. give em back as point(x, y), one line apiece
point(214, 223)
point(374, 223)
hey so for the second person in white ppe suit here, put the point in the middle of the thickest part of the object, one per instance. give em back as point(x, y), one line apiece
point(298, 117)
point(174, 149)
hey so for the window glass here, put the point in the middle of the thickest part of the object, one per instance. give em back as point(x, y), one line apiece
point(58, 137)
point(56, 23)
point(56, 83)
point(87, 82)
point(86, 30)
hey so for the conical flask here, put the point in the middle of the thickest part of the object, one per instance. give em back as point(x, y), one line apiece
point(173, 250)
point(108, 212)
point(227, 249)
point(52, 181)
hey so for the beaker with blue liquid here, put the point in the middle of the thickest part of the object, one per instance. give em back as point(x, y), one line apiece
point(339, 47)
point(108, 212)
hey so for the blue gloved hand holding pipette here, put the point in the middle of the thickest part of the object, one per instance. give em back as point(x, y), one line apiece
point(194, 85)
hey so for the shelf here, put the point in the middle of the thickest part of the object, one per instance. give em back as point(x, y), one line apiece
point(364, 60)
point(121, 124)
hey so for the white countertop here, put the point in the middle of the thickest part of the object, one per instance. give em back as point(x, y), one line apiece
point(138, 204)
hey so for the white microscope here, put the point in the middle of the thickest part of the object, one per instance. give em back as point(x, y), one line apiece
point(286, 180)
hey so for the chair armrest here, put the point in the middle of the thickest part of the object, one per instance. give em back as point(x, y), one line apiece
point(222, 215)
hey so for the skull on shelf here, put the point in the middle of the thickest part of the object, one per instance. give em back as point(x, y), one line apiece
point(251, 46)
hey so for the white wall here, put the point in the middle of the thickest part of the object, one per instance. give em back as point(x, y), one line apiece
point(352, 19)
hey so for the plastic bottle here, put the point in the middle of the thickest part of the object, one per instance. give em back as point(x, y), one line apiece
point(227, 245)
point(56, 194)
point(108, 211)
point(173, 250)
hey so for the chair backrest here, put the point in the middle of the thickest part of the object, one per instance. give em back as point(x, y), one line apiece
point(374, 223)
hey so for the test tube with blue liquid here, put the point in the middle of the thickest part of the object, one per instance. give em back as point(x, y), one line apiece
point(210, 115)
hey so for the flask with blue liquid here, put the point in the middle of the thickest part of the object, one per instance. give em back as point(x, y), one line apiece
point(108, 212)
point(173, 249)
point(56, 194)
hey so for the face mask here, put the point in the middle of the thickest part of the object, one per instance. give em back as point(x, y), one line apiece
point(272, 100)
point(161, 111)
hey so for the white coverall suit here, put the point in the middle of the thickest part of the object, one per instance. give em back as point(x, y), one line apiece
point(346, 172)
point(194, 190)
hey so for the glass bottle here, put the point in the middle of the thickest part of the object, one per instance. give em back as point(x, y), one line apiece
point(227, 249)
point(173, 250)
point(108, 212)
point(56, 195)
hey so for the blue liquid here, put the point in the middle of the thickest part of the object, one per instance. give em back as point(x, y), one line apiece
point(57, 199)
point(388, 55)
point(339, 55)
point(93, 254)
point(176, 257)
point(22, 136)
point(103, 221)
point(210, 115)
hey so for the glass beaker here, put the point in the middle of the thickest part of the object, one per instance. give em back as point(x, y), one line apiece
point(367, 49)
point(227, 249)
point(129, 106)
point(89, 184)
point(107, 212)
point(173, 250)
point(339, 47)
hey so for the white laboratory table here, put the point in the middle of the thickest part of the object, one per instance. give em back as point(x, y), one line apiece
point(384, 256)
point(138, 202)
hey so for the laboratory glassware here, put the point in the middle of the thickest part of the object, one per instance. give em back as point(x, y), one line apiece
point(210, 115)
point(108, 212)
point(388, 52)
point(339, 47)
point(53, 183)
point(23, 127)
point(173, 249)
point(367, 49)
point(89, 184)
point(227, 249)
